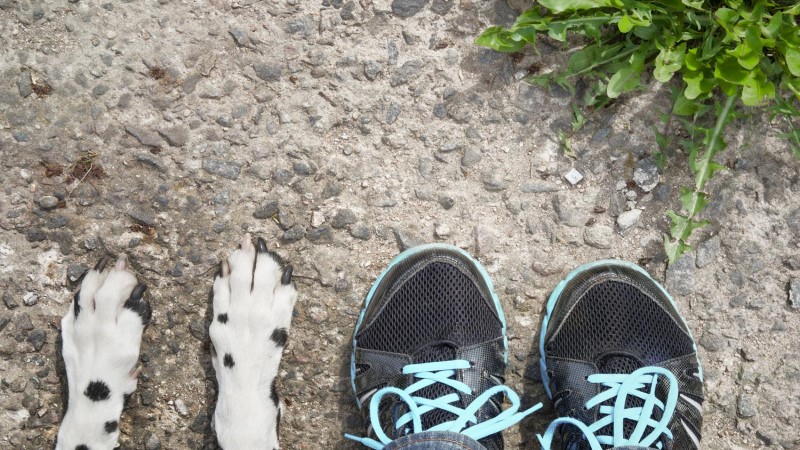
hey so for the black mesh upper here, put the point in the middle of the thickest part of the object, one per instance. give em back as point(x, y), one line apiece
point(614, 316)
point(438, 303)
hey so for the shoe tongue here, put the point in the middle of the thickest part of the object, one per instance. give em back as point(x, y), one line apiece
point(434, 352)
point(617, 363)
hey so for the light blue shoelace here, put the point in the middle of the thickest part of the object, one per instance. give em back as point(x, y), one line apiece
point(465, 423)
point(641, 384)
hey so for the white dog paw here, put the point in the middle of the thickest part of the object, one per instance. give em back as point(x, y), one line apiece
point(253, 303)
point(101, 335)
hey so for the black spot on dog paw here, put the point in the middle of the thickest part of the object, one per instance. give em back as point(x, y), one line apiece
point(82, 447)
point(286, 278)
point(228, 360)
point(102, 263)
point(280, 336)
point(76, 304)
point(273, 393)
point(97, 391)
point(111, 426)
point(223, 318)
point(136, 304)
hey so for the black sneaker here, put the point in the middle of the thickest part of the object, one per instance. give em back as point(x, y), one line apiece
point(619, 363)
point(430, 351)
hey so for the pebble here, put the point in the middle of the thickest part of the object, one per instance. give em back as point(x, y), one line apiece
point(712, 342)
point(573, 176)
point(407, 239)
point(446, 202)
point(646, 175)
point(30, 299)
point(360, 232)
point(269, 71)
point(181, 408)
point(240, 37)
point(744, 406)
point(152, 442)
point(372, 69)
point(37, 338)
point(628, 218)
point(343, 218)
point(323, 233)
point(225, 169)
point(537, 187)
point(393, 112)
point(25, 84)
point(176, 136)
point(794, 293)
point(599, 236)
point(142, 215)
point(317, 219)
point(471, 157)
point(493, 181)
point(294, 233)
point(75, 271)
point(200, 423)
point(266, 211)
point(145, 137)
point(570, 209)
point(48, 202)
point(680, 275)
point(707, 252)
point(442, 231)
point(9, 301)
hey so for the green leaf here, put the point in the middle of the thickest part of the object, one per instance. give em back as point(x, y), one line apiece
point(693, 201)
point(625, 80)
point(793, 61)
point(674, 249)
point(678, 224)
point(558, 6)
point(668, 62)
point(625, 24)
point(728, 69)
point(660, 160)
point(757, 90)
point(499, 39)
point(683, 106)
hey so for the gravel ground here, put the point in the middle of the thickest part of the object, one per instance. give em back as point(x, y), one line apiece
point(344, 131)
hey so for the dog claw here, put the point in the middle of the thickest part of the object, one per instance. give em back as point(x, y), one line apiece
point(101, 264)
point(121, 261)
point(261, 244)
point(286, 278)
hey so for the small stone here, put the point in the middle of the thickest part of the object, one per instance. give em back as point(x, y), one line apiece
point(294, 233)
point(599, 236)
point(282, 177)
point(793, 262)
point(225, 169)
point(30, 299)
point(9, 301)
point(142, 216)
point(573, 176)
point(538, 187)
point(680, 275)
point(176, 136)
point(392, 113)
point(200, 423)
point(393, 53)
point(48, 202)
point(744, 406)
point(407, 239)
point(712, 342)
point(37, 338)
point(24, 84)
point(628, 218)
point(707, 252)
point(75, 271)
point(145, 137)
point(343, 218)
point(408, 8)
point(493, 181)
point(360, 232)
point(794, 293)
point(266, 211)
point(441, 231)
point(372, 69)
point(571, 209)
point(323, 233)
point(317, 219)
point(152, 442)
point(446, 202)
point(646, 175)
point(302, 168)
point(181, 408)
point(269, 71)
point(448, 147)
point(471, 157)
point(240, 37)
